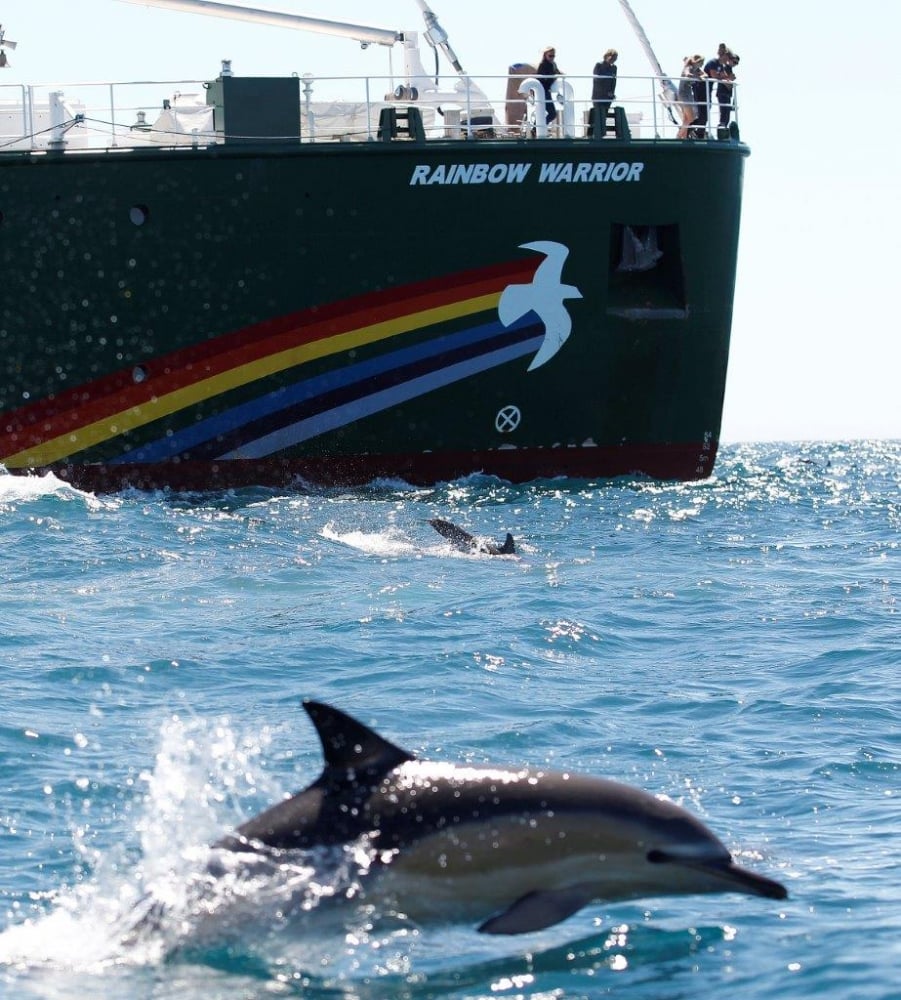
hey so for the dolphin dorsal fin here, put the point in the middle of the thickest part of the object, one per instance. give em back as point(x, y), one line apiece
point(348, 745)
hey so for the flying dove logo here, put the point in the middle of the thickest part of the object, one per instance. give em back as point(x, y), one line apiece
point(543, 296)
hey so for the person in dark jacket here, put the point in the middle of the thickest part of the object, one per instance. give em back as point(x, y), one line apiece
point(724, 87)
point(714, 72)
point(548, 74)
point(603, 91)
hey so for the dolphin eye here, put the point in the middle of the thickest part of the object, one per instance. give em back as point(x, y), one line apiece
point(656, 857)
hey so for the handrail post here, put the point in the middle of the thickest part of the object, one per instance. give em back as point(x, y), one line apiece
point(468, 109)
point(28, 113)
point(112, 109)
point(566, 95)
point(308, 106)
point(57, 134)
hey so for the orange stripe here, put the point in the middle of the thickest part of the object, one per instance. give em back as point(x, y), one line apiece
point(95, 403)
point(88, 435)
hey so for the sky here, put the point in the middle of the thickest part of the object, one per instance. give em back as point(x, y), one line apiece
point(815, 352)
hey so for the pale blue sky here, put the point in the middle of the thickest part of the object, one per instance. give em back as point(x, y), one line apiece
point(815, 350)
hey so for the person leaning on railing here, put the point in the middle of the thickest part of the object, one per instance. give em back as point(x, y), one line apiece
point(720, 77)
point(724, 87)
point(713, 71)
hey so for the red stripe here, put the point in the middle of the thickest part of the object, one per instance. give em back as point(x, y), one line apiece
point(684, 461)
point(48, 418)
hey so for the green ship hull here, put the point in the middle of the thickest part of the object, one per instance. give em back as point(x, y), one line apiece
point(263, 313)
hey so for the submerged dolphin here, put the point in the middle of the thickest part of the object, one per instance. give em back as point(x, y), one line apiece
point(469, 543)
point(514, 850)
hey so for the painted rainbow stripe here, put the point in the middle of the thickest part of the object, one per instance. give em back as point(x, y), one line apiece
point(97, 412)
point(277, 420)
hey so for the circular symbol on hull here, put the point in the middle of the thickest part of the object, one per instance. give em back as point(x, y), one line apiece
point(507, 419)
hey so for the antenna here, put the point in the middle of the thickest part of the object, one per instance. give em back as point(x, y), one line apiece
point(436, 36)
point(5, 43)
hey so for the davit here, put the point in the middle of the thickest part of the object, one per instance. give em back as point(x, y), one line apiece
point(509, 850)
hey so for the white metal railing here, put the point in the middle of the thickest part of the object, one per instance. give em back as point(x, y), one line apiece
point(93, 115)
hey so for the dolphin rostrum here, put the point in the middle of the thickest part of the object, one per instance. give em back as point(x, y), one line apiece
point(515, 850)
point(462, 540)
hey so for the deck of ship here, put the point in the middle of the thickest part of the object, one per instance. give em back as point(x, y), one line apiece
point(101, 115)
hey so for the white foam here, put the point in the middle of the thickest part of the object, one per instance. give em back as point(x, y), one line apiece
point(386, 543)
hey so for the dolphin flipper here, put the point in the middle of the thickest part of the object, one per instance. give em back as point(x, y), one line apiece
point(537, 910)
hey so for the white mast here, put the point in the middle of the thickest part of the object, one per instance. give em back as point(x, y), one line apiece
point(668, 93)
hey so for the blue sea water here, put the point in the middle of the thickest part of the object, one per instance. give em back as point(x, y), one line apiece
point(733, 644)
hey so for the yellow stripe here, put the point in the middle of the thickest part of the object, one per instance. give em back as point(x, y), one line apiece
point(55, 449)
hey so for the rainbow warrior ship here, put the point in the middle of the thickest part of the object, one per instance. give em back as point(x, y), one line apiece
point(262, 281)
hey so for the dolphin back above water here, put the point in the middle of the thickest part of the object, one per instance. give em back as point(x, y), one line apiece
point(513, 850)
point(466, 542)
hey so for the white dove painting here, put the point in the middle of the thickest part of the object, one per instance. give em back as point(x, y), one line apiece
point(543, 296)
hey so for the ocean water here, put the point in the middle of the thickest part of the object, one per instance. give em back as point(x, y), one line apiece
point(733, 644)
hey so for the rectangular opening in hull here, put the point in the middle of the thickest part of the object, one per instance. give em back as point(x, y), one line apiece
point(646, 278)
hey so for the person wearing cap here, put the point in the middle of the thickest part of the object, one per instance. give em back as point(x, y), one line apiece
point(692, 91)
point(603, 91)
point(547, 74)
point(724, 86)
point(713, 72)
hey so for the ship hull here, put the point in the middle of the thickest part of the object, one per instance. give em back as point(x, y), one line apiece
point(336, 313)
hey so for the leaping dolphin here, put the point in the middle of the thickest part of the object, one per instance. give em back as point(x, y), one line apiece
point(514, 850)
point(469, 543)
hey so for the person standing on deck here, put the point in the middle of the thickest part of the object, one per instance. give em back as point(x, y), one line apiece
point(690, 83)
point(724, 88)
point(548, 74)
point(714, 70)
point(701, 87)
point(603, 91)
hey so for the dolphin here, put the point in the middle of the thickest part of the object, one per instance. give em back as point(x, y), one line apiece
point(469, 543)
point(511, 849)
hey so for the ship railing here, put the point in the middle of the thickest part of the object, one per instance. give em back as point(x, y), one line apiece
point(93, 115)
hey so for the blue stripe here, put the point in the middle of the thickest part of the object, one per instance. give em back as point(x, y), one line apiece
point(228, 420)
point(366, 406)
